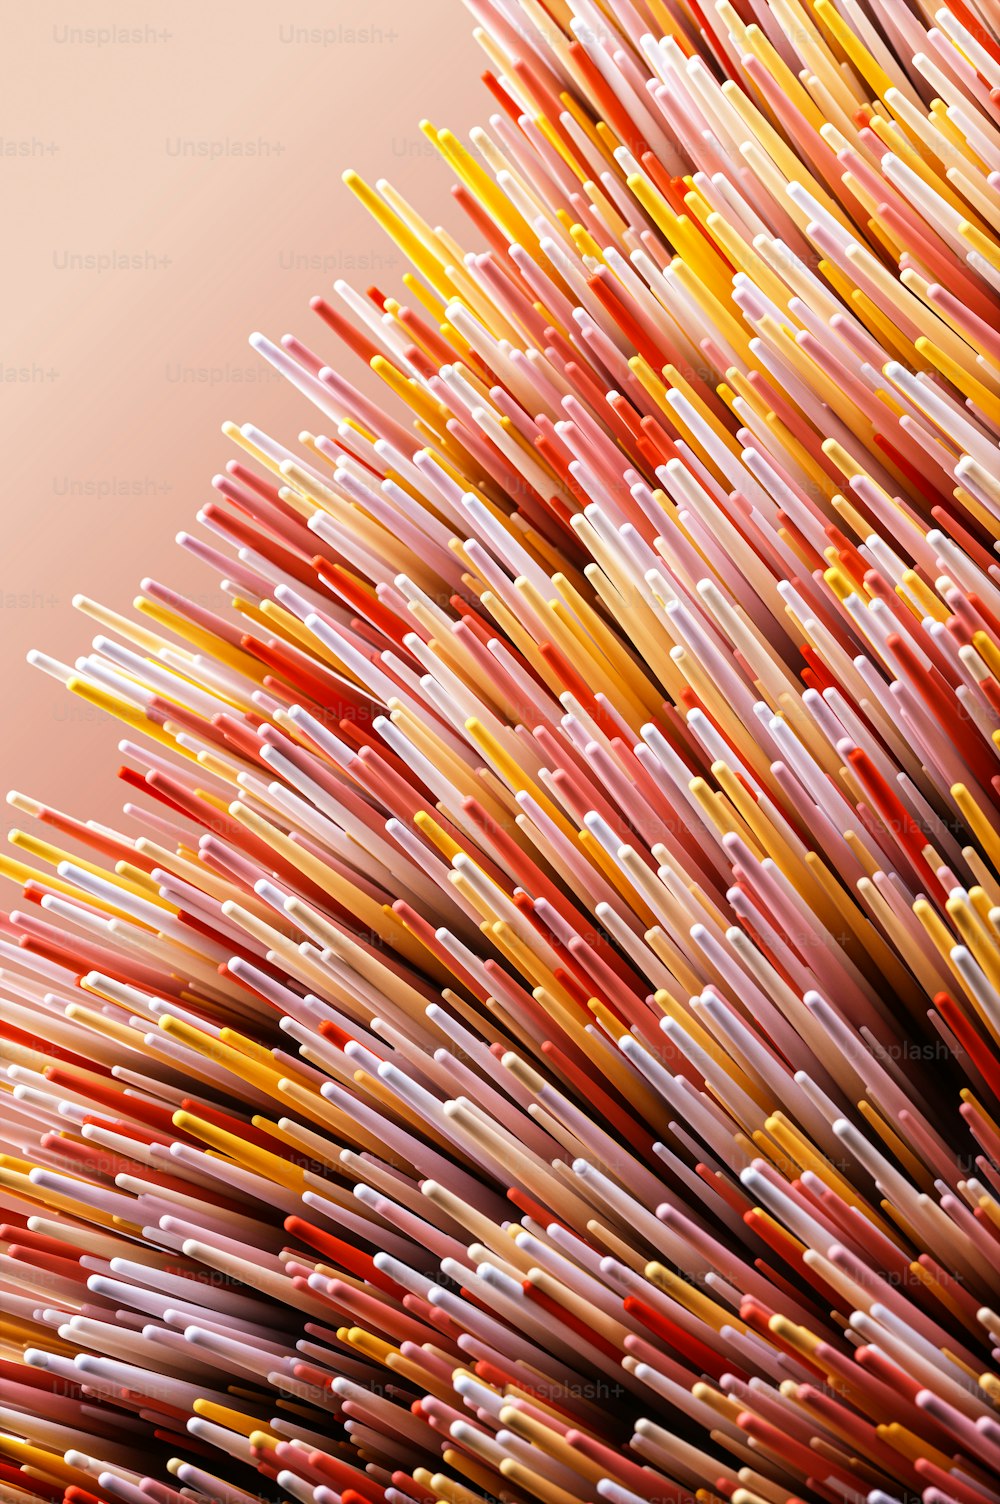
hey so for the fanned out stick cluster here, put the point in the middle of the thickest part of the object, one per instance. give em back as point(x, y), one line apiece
point(542, 1045)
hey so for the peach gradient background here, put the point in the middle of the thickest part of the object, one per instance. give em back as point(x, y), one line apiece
point(115, 383)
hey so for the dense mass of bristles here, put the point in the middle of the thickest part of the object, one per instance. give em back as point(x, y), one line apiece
point(542, 1044)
